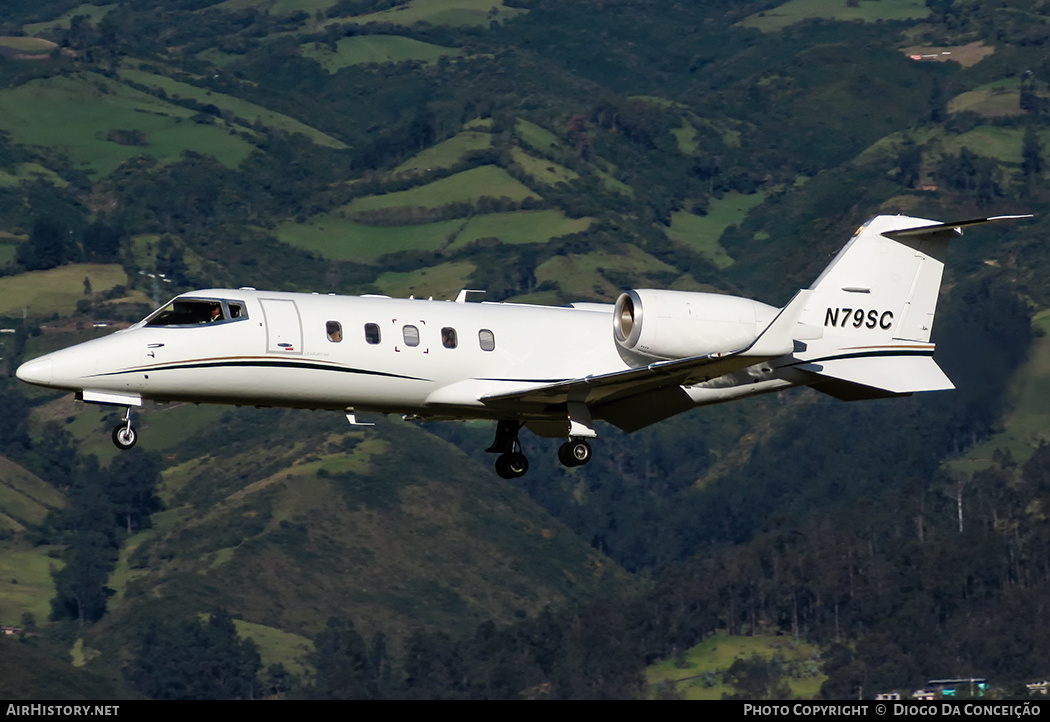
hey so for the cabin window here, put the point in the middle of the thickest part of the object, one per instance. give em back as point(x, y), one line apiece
point(372, 333)
point(194, 311)
point(486, 339)
point(411, 334)
point(334, 331)
point(449, 338)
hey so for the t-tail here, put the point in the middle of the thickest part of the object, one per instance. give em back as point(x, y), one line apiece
point(865, 330)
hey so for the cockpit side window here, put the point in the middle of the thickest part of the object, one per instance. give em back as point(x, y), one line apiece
point(196, 311)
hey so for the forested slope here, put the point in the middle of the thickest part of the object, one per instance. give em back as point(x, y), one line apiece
point(546, 152)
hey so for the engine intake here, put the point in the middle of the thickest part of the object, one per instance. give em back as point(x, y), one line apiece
point(663, 325)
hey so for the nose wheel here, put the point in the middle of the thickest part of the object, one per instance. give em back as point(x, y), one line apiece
point(511, 463)
point(124, 434)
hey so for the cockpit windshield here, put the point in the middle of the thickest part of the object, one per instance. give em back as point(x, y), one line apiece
point(195, 311)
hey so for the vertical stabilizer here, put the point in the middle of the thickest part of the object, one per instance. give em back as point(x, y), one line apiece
point(874, 306)
point(879, 289)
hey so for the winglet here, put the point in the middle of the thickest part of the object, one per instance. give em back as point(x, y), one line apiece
point(779, 337)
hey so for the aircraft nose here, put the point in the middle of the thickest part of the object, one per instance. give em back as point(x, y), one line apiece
point(38, 371)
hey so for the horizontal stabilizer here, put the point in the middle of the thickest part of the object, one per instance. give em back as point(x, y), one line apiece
point(894, 374)
point(937, 228)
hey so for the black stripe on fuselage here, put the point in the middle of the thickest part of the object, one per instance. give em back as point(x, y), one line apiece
point(260, 364)
point(526, 381)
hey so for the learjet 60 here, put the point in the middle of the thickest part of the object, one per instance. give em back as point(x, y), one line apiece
point(860, 331)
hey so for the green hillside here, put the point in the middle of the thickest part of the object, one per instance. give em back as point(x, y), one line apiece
point(546, 152)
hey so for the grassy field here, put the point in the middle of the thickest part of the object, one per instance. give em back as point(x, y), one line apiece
point(24, 497)
point(702, 232)
point(444, 12)
point(94, 12)
point(699, 676)
point(520, 227)
point(56, 290)
point(277, 646)
point(543, 170)
point(342, 240)
point(82, 109)
point(441, 281)
point(998, 99)
point(250, 112)
point(613, 184)
point(580, 276)
point(279, 7)
point(26, 585)
point(1003, 144)
point(795, 11)
point(686, 137)
point(362, 49)
point(538, 137)
point(486, 180)
point(31, 172)
point(27, 45)
point(447, 153)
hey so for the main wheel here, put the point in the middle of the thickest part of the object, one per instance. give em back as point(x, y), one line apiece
point(574, 453)
point(125, 436)
point(512, 465)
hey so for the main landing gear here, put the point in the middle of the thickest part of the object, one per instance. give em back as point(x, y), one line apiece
point(574, 452)
point(512, 463)
point(124, 434)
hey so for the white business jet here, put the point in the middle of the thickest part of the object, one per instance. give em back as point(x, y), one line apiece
point(861, 331)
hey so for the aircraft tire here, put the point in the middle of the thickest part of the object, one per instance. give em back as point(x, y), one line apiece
point(512, 465)
point(565, 455)
point(124, 436)
point(574, 453)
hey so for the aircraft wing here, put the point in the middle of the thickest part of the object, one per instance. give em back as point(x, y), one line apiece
point(619, 384)
point(776, 340)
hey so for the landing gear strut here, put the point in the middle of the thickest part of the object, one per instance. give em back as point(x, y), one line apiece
point(511, 463)
point(124, 434)
point(574, 452)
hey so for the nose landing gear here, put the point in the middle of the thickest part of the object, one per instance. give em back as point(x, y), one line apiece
point(511, 463)
point(124, 434)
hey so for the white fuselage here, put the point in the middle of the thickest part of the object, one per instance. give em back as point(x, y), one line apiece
point(281, 351)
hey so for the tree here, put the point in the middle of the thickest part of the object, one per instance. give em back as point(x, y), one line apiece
point(187, 659)
point(49, 245)
point(1031, 153)
point(132, 488)
point(341, 661)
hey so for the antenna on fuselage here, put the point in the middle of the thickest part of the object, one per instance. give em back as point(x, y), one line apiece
point(462, 297)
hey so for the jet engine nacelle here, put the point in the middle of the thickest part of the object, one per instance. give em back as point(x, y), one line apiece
point(678, 324)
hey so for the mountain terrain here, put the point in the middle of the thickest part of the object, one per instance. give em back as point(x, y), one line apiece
point(547, 153)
